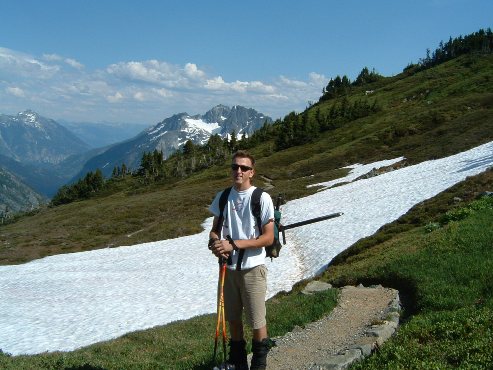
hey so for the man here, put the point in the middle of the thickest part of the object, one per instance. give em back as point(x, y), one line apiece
point(245, 284)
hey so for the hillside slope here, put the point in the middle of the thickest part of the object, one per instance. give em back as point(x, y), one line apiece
point(430, 114)
point(16, 196)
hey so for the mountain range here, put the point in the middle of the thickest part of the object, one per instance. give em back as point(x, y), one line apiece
point(44, 155)
point(31, 138)
point(32, 147)
point(173, 132)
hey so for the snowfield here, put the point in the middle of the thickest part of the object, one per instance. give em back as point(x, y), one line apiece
point(64, 302)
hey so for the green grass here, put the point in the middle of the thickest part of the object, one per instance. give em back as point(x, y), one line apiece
point(446, 275)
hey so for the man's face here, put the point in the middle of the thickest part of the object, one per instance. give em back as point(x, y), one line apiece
point(242, 172)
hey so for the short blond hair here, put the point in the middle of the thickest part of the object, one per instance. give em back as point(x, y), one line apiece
point(243, 154)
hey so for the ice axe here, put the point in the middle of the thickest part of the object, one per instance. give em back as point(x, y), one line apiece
point(282, 228)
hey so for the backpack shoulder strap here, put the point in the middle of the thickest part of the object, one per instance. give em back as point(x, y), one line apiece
point(223, 199)
point(257, 207)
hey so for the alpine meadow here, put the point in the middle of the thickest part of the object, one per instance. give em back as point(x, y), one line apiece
point(438, 255)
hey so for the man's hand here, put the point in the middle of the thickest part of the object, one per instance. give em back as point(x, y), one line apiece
point(221, 248)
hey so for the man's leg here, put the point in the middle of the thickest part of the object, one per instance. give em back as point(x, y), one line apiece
point(260, 350)
point(256, 288)
point(237, 345)
point(236, 330)
point(234, 309)
point(259, 334)
point(261, 345)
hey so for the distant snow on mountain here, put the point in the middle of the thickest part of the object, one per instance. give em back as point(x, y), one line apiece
point(172, 133)
point(195, 126)
point(220, 120)
point(45, 154)
point(31, 149)
point(30, 138)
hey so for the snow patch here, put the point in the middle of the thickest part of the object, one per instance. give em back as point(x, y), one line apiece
point(154, 138)
point(358, 170)
point(202, 125)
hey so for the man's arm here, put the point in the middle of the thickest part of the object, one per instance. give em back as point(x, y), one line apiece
point(215, 244)
point(213, 234)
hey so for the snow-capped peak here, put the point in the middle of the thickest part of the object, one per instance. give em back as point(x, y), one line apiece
point(200, 124)
point(30, 118)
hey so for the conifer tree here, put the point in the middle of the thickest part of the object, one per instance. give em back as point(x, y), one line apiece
point(233, 142)
point(124, 170)
point(116, 172)
point(188, 148)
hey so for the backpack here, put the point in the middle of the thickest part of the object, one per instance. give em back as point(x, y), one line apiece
point(272, 250)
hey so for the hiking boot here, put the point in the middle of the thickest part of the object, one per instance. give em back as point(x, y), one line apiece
point(238, 355)
point(260, 351)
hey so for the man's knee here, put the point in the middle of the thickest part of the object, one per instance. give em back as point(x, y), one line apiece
point(236, 329)
point(260, 333)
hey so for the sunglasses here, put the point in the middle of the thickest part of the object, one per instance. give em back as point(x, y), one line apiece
point(235, 167)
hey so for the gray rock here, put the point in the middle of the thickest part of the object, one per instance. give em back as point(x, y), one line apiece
point(365, 348)
point(316, 286)
point(342, 361)
point(382, 332)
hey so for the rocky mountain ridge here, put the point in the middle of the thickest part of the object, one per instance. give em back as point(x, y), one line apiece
point(15, 196)
point(30, 138)
point(31, 147)
point(173, 132)
point(44, 155)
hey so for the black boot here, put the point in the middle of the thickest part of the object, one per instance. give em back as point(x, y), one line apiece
point(238, 354)
point(260, 351)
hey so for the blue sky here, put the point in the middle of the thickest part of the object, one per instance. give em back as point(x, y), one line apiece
point(142, 61)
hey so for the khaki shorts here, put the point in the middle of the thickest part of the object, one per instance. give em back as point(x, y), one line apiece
point(246, 289)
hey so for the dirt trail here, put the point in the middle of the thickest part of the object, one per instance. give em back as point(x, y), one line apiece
point(347, 325)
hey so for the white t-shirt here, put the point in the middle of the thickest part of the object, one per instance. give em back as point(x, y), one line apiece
point(240, 223)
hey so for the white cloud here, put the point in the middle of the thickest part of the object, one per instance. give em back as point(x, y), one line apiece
point(218, 84)
point(317, 79)
point(314, 80)
point(260, 87)
point(192, 71)
point(15, 91)
point(115, 98)
point(292, 83)
point(215, 83)
point(151, 71)
point(238, 86)
point(58, 58)
point(13, 63)
point(163, 93)
point(158, 73)
point(139, 95)
point(277, 97)
point(81, 88)
point(74, 63)
point(52, 57)
point(148, 88)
